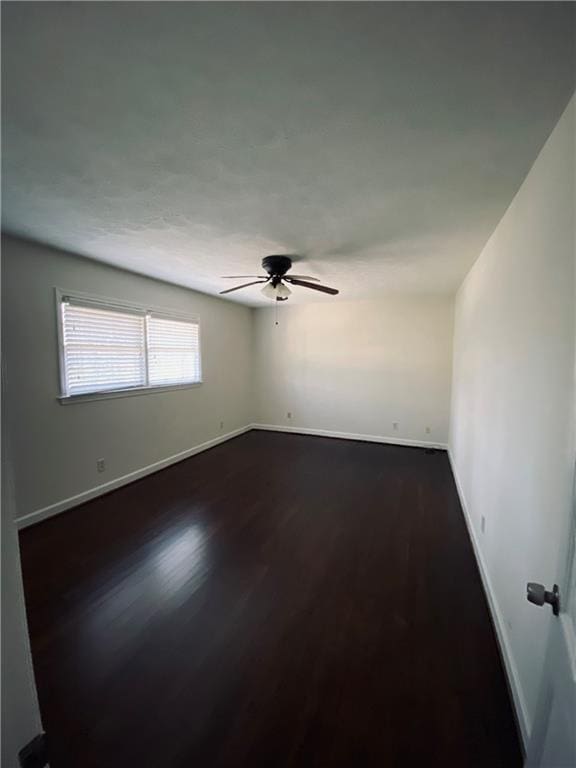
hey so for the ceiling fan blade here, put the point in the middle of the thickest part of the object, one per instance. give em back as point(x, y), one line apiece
point(245, 285)
point(304, 284)
point(304, 277)
point(239, 277)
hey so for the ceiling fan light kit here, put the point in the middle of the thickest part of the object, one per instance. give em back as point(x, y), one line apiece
point(280, 292)
point(275, 288)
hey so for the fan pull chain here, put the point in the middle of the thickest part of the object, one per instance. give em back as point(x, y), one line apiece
point(276, 312)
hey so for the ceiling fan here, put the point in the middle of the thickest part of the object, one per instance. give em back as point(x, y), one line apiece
point(276, 280)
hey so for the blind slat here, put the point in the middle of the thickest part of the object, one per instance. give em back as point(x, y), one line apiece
point(173, 351)
point(106, 348)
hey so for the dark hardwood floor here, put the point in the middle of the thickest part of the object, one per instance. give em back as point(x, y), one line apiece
point(279, 600)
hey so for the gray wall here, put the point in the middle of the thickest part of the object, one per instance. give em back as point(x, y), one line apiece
point(55, 447)
point(20, 713)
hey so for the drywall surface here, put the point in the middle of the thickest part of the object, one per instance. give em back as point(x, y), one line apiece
point(55, 447)
point(357, 367)
point(512, 419)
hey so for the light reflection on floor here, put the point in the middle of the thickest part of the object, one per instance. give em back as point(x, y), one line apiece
point(181, 560)
point(173, 569)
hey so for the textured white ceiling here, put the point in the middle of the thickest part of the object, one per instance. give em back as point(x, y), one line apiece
point(381, 141)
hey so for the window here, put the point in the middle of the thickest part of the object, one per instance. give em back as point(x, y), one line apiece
point(108, 347)
point(172, 351)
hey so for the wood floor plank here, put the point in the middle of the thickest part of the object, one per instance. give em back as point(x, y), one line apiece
point(280, 600)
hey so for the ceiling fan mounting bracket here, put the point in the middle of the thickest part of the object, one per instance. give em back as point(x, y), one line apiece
point(276, 266)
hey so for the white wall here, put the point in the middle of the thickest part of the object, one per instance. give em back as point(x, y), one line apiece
point(512, 400)
point(55, 447)
point(357, 367)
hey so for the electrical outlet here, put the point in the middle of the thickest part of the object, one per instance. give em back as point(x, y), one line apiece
point(289, 415)
point(427, 430)
point(483, 524)
point(395, 426)
point(100, 465)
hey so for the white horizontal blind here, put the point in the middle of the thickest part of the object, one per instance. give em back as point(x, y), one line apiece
point(106, 347)
point(103, 349)
point(173, 351)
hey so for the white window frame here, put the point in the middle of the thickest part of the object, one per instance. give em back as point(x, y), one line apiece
point(127, 306)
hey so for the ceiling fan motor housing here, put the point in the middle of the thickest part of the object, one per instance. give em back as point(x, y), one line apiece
point(276, 266)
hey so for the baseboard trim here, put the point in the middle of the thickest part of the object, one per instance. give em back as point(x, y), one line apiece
point(351, 436)
point(497, 618)
point(73, 501)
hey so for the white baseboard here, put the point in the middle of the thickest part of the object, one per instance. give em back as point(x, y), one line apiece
point(80, 498)
point(73, 501)
point(351, 436)
point(498, 620)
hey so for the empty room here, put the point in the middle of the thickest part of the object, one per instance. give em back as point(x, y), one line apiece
point(288, 384)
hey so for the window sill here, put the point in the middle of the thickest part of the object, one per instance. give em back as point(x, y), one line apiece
point(112, 394)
